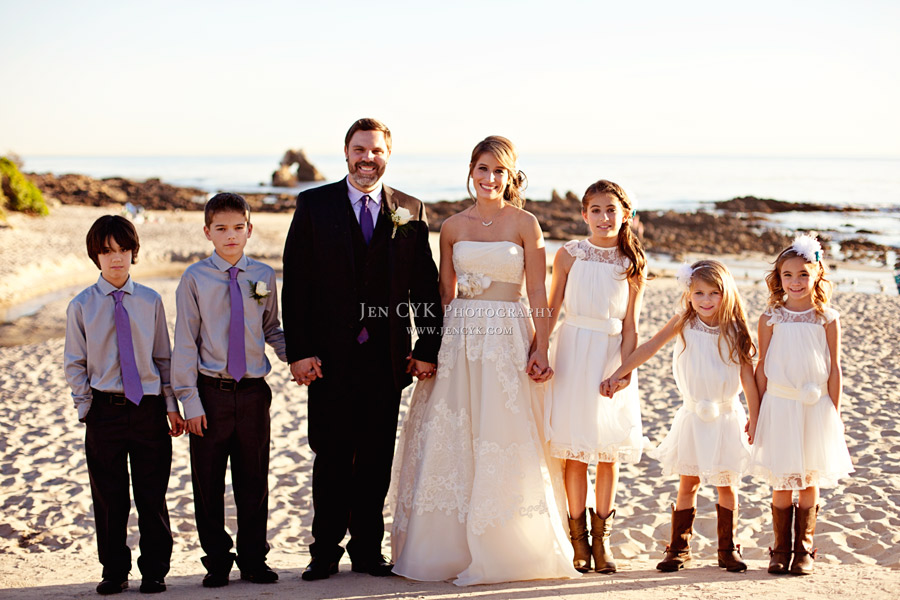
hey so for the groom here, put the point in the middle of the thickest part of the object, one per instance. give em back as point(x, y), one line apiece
point(351, 283)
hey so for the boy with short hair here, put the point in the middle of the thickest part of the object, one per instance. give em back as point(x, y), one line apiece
point(227, 312)
point(117, 358)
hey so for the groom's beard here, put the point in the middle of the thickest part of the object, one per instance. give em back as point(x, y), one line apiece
point(365, 179)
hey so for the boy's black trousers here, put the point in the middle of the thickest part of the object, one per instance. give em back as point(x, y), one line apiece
point(237, 419)
point(119, 432)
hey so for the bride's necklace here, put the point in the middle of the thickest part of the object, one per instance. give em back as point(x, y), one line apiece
point(478, 212)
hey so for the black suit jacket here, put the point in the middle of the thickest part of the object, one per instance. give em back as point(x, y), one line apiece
point(330, 275)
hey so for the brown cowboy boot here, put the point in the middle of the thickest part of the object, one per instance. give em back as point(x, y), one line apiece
point(678, 552)
point(729, 554)
point(804, 553)
point(600, 530)
point(780, 557)
point(579, 537)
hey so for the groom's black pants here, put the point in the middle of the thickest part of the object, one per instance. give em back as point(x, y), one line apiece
point(352, 430)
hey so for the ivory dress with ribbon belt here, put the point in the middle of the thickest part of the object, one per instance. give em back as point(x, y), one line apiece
point(707, 437)
point(580, 423)
point(474, 496)
point(799, 436)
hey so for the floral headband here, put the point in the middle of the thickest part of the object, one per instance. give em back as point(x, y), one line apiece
point(684, 274)
point(808, 247)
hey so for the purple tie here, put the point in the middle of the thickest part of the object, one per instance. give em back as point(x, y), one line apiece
point(365, 219)
point(131, 379)
point(365, 223)
point(237, 361)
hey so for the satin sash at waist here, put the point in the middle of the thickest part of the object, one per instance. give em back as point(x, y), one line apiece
point(608, 326)
point(809, 394)
point(707, 410)
point(497, 291)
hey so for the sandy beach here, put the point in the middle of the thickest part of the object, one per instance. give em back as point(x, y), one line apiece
point(47, 547)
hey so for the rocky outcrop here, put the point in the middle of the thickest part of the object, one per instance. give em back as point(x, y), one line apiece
point(287, 176)
point(752, 204)
point(150, 194)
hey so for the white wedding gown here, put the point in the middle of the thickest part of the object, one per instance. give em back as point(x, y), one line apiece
point(475, 496)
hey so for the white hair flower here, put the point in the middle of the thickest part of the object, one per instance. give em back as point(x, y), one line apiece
point(808, 247)
point(683, 275)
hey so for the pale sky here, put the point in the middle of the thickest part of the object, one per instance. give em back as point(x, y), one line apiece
point(782, 78)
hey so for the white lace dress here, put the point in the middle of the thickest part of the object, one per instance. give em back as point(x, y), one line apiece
point(799, 435)
point(707, 438)
point(471, 491)
point(581, 424)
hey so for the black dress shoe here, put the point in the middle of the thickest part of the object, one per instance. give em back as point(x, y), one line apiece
point(261, 575)
point(319, 568)
point(379, 566)
point(214, 580)
point(112, 586)
point(153, 586)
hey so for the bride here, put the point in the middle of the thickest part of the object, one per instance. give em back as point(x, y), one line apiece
point(474, 495)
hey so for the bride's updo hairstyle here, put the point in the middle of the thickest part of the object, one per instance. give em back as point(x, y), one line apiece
point(505, 153)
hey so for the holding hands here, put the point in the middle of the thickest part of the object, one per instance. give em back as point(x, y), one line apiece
point(538, 367)
point(615, 382)
point(306, 370)
point(176, 423)
point(420, 368)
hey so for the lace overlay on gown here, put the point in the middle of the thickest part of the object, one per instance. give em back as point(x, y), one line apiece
point(470, 474)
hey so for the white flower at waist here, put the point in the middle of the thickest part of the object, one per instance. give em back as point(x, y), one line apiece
point(810, 394)
point(707, 410)
point(399, 217)
point(259, 291)
point(472, 284)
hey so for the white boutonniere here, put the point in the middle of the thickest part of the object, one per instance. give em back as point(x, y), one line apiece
point(259, 291)
point(400, 217)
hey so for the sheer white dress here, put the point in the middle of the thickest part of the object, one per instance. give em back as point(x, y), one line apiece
point(581, 424)
point(799, 435)
point(707, 438)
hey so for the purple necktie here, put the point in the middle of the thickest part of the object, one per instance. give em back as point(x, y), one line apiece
point(131, 379)
point(365, 219)
point(365, 223)
point(237, 361)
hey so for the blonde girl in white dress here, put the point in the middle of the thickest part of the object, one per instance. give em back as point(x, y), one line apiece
point(599, 281)
point(473, 492)
point(712, 360)
point(798, 439)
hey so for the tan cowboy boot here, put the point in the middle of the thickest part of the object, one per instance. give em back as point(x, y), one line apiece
point(804, 553)
point(780, 556)
point(729, 554)
point(678, 552)
point(579, 537)
point(600, 530)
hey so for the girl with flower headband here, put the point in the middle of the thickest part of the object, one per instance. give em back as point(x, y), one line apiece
point(798, 439)
point(600, 280)
point(712, 361)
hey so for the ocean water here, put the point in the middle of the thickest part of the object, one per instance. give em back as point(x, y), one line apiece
point(654, 182)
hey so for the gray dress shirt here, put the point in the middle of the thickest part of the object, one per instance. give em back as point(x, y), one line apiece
point(91, 354)
point(201, 328)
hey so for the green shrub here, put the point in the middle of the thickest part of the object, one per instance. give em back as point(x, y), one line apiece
point(20, 192)
point(2, 200)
